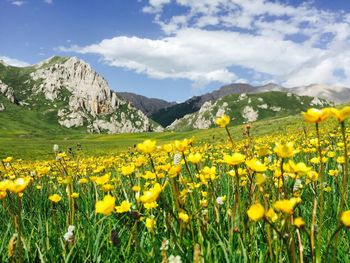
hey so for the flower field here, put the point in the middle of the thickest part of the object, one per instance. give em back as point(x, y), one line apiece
point(281, 197)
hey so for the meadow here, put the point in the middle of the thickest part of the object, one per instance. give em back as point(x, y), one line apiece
point(272, 191)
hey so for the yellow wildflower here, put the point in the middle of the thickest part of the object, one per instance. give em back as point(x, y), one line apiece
point(345, 218)
point(341, 114)
point(315, 115)
point(123, 207)
point(106, 206)
point(256, 212)
point(194, 158)
point(271, 215)
point(150, 224)
point(255, 165)
point(55, 198)
point(234, 159)
point(18, 185)
point(285, 150)
point(298, 222)
point(184, 217)
point(222, 121)
point(152, 194)
point(148, 146)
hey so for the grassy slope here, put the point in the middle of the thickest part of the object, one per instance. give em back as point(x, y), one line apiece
point(289, 105)
point(40, 146)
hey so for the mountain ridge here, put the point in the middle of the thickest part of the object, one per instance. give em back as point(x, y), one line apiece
point(77, 94)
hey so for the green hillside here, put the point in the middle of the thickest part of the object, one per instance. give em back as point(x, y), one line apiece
point(246, 108)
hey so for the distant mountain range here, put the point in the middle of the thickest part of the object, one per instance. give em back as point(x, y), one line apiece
point(246, 108)
point(148, 106)
point(66, 94)
point(168, 115)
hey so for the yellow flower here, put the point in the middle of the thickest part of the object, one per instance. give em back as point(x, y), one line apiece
point(136, 188)
point(127, 170)
point(152, 194)
point(74, 195)
point(102, 179)
point(260, 178)
point(107, 187)
point(341, 160)
point(55, 198)
point(194, 158)
point(207, 173)
point(149, 175)
point(175, 170)
point(315, 115)
point(255, 165)
point(222, 121)
point(4, 185)
point(7, 160)
point(285, 205)
point(345, 218)
point(184, 217)
point(150, 205)
point(83, 181)
point(150, 224)
point(2, 194)
point(256, 212)
point(234, 159)
point(168, 147)
point(183, 145)
point(139, 161)
point(18, 185)
point(342, 114)
point(271, 215)
point(124, 207)
point(285, 150)
point(298, 222)
point(106, 206)
point(148, 146)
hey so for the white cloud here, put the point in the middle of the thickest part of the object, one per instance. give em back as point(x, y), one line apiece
point(155, 6)
point(295, 45)
point(48, 1)
point(17, 3)
point(14, 62)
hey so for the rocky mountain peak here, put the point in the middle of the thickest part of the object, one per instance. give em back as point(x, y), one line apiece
point(79, 95)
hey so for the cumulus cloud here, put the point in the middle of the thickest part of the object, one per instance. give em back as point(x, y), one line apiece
point(14, 62)
point(17, 3)
point(294, 45)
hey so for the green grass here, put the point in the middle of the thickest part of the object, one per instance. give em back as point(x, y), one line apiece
point(28, 144)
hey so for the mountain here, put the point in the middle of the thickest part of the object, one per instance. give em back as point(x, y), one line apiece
point(66, 92)
point(168, 115)
point(147, 105)
point(165, 117)
point(245, 108)
point(337, 94)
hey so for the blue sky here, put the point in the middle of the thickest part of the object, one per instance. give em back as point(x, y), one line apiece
point(174, 49)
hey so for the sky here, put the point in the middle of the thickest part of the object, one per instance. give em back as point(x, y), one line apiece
point(175, 49)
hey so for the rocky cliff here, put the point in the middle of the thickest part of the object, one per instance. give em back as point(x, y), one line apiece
point(79, 96)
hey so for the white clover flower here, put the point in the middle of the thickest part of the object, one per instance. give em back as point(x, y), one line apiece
point(220, 200)
point(165, 245)
point(297, 185)
point(177, 158)
point(69, 236)
point(340, 168)
point(55, 148)
point(71, 228)
point(174, 259)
